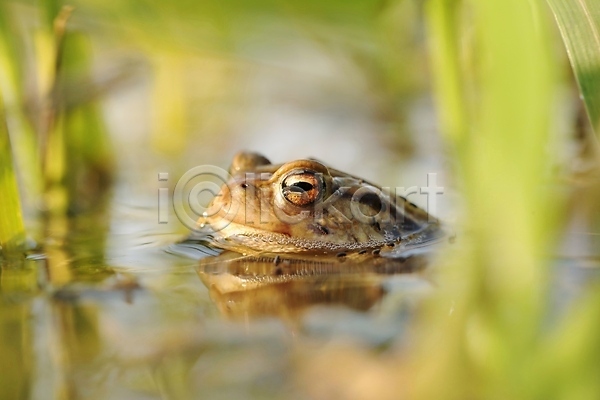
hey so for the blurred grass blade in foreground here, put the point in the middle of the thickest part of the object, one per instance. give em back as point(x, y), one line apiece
point(12, 231)
point(443, 24)
point(479, 338)
point(579, 23)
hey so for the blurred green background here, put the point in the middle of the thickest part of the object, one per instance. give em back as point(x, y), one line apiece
point(98, 97)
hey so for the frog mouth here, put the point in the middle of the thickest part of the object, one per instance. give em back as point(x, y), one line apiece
point(253, 240)
point(241, 238)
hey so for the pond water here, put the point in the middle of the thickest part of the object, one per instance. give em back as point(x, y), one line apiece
point(122, 310)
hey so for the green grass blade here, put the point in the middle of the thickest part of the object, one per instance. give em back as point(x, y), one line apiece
point(10, 67)
point(11, 225)
point(442, 23)
point(579, 24)
point(12, 231)
point(478, 338)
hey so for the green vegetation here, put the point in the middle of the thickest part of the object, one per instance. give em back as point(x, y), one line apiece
point(12, 231)
point(487, 326)
point(498, 286)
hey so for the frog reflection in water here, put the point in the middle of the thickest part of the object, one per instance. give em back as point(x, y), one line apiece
point(307, 234)
point(305, 207)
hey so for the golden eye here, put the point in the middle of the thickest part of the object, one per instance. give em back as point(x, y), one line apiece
point(302, 188)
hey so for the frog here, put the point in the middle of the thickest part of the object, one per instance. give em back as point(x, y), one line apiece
point(305, 207)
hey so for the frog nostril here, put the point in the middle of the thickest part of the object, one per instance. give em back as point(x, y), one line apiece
point(318, 229)
point(244, 185)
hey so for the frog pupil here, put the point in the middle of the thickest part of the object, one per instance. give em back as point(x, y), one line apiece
point(304, 186)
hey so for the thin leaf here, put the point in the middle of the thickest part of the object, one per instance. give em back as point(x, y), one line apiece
point(579, 24)
point(12, 231)
point(479, 334)
point(442, 22)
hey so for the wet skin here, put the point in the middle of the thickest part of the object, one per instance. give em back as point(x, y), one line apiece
point(306, 207)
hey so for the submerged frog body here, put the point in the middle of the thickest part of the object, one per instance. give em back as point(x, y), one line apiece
point(307, 207)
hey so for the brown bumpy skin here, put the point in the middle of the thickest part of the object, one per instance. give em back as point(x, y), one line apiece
point(306, 207)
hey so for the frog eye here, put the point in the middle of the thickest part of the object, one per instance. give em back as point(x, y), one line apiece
point(302, 188)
